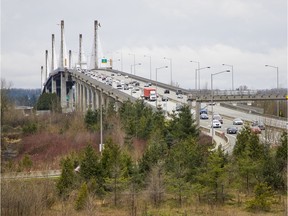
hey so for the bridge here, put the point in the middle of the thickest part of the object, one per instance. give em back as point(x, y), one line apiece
point(80, 88)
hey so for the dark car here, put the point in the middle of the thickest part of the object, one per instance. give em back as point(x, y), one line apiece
point(232, 130)
point(179, 91)
point(166, 91)
point(203, 111)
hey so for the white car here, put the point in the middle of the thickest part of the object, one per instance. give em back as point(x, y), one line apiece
point(180, 96)
point(237, 121)
point(216, 124)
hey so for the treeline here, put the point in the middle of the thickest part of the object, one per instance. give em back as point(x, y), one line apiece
point(23, 97)
point(175, 166)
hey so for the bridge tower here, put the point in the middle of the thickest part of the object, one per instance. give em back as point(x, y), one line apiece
point(95, 44)
point(46, 66)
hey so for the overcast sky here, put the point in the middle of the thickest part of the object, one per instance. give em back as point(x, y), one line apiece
point(247, 34)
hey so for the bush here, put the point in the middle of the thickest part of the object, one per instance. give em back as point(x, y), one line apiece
point(30, 128)
point(262, 200)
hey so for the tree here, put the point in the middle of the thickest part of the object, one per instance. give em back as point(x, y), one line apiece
point(117, 167)
point(156, 186)
point(263, 198)
point(82, 197)
point(183, 125)
point(92, 120)
point(90, 166)
point(212, 177)
point(27, 162)
point(48, 101)
point(67, 178)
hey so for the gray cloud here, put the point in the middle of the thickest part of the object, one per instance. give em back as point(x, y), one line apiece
point(245, 33)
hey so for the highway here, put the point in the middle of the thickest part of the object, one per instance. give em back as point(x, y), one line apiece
point(170, 106)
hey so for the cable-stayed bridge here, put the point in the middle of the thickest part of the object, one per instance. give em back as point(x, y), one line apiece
point(80, 88)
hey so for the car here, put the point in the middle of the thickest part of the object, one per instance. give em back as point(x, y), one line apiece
point(146, 85)
point(203, 110)
point(218, 117)
point(179, 91)
point(119, 86)
point(232, 130)
point(211, 103)
point(126, 87)
point(166, 91)
point(180, 96)
point(216, 123)
point(126, 77)
point(237, 121)
point(255, 129)
point(261, 125)
point(204, 116)
point(164, 98)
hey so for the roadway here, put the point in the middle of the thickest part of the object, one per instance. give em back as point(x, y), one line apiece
point(170, 106)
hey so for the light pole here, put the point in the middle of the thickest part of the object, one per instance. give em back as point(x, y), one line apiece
point(150, 66)
point(134, 65)
point(212, 95)
point(134, 60)
point(156, 81)
point(277, 84)
point(232, 74)
point(170, 59)
point(196, 72)
point(199, 87)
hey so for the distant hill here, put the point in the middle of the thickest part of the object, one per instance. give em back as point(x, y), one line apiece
point(23, 97)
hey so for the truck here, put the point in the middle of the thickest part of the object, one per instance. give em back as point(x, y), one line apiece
point(150, 94)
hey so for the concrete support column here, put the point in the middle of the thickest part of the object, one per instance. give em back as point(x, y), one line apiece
point(84, 99)
point(117, 105)
point(97, 97)
point(88, 90)
point(63, 92)
point(53, 83)
point(92, 98)
point(81, 98)
point(71, 98)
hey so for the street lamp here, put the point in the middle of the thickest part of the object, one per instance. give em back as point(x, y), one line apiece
point(134, 65)
point(196, 73)
point(134, 61)
point(232, 74)
point(150, 66)
point(170, 59)
point(199, 87)
point(156, 80)
point(212, 95)
point(277, 84)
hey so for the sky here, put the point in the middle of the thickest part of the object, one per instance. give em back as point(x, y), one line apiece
point(243, 33)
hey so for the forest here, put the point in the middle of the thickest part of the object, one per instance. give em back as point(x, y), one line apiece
point(150, 165)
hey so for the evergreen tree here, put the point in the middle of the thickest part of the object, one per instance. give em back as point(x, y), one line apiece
point(82, 197)
point(67, 178)
point(90, 165)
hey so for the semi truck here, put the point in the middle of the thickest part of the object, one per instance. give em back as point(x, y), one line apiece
point(150, 94)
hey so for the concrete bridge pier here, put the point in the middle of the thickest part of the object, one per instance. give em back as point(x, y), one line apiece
point(63, 92)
